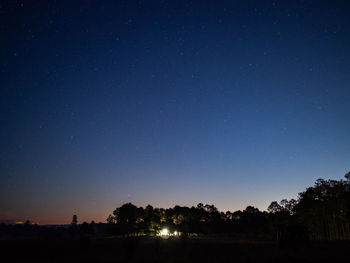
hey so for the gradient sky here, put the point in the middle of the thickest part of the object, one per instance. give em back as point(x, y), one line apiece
point(231, 103)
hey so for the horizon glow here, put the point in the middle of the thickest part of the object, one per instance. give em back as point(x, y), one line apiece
point(233, 103)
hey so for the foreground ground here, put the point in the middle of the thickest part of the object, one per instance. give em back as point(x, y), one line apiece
point(170, 250)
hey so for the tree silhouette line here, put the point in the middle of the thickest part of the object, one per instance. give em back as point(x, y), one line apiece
point(321, 212)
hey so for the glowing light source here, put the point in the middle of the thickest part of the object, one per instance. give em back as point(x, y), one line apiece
point(164, 232)
point(176, 233)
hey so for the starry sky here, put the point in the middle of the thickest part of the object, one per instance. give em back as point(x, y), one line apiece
point(231, 103)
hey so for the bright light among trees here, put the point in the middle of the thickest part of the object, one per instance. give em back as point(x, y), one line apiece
point(164, 232)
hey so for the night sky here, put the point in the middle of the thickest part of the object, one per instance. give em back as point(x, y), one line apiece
point(231, 103)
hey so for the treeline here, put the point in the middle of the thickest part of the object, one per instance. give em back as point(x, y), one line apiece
point(321, 212)
point(202, 219)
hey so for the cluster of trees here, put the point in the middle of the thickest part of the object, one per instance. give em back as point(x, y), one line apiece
point(204, 219)
point(322, 212)
point(83, 229)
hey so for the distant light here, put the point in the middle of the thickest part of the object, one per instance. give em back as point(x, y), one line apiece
point(164, 232)
point(176, 233)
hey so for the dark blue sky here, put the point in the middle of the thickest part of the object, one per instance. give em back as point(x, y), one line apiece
point(233, 103)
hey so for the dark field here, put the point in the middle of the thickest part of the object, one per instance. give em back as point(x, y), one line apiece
point(170, 250)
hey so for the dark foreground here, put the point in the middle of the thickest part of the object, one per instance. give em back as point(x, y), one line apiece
point(170, 250)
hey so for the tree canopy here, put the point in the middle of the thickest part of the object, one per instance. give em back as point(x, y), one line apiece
point(320, 212)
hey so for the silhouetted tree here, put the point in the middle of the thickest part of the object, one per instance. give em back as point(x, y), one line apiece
point(74, 220)
point(110, 219)
point(325, 209)
point(127, 216)
point(320, 212)
point(74, 225)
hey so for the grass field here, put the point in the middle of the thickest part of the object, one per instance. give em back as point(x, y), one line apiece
point(170, 250)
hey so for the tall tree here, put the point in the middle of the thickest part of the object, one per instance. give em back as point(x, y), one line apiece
point(74, 220)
